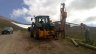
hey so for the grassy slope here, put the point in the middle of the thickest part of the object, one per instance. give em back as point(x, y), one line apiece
point(4, 22)
point(75, 32)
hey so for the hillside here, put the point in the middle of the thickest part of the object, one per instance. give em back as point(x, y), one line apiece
point(4, 22)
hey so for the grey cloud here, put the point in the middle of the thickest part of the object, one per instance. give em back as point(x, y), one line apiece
point(42, 7)
point(38, 7)
point(83, 4)
point(90, 19)
point(76, 21)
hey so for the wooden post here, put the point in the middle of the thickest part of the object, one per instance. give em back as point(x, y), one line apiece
point(87, 45)
point(74, 42)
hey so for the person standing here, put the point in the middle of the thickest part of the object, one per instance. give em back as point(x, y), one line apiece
point(86, 30)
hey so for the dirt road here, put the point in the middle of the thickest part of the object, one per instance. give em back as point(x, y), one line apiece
point(20, 43)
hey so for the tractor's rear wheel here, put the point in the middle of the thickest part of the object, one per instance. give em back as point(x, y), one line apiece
point(55, 36)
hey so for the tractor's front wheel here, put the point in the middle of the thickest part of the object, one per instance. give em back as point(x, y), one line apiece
point(31, 35)
point(36, 36)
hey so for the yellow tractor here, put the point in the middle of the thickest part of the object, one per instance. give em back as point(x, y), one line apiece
point(42, 28)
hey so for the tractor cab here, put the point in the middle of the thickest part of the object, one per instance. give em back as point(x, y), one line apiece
point(42, 19)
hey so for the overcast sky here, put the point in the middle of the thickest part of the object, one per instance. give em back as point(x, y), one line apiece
point(22, 10)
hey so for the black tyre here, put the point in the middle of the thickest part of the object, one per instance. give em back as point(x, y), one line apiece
point(8, 32)
point(55, 36)
point(36, 36)
point(2, 32)
point(5, 32)
point(31, 35)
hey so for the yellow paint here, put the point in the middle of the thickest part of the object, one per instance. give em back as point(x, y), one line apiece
point(41, 33)
point(44, 33)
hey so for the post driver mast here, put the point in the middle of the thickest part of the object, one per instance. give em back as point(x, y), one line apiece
point(63, 15)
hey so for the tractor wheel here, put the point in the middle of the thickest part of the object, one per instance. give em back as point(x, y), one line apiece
point(55, 36)
point(8, 32)
point(31, 35)
point(2, 32)
point(36, 36)
point(5, 32)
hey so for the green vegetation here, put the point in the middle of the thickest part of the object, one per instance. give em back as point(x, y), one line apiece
point(75, 32)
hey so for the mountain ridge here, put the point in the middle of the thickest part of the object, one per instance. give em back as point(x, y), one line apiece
point(6, 22)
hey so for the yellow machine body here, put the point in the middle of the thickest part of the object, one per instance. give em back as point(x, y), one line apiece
point(42, 28)
point(46, 33)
